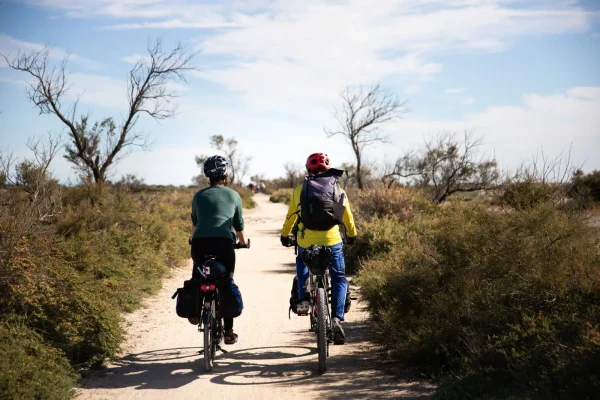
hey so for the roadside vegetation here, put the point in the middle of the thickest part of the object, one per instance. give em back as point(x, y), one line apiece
point(281, 196)
point(73, 259)
point(493, 298)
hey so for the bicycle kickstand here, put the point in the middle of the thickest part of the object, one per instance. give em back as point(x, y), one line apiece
point(222, 350)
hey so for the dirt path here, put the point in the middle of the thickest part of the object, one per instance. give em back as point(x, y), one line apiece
point(275, 358)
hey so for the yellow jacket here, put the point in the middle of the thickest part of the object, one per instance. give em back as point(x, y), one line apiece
point(325, 238)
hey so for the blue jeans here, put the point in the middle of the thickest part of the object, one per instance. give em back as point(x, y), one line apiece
point(337, 271)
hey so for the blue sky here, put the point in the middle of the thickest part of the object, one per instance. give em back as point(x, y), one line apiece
point(524, 75)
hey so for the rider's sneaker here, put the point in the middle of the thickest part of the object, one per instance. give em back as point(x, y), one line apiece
point(339, 337)
point(303, 307)
point(230, 337)
point(194, 321)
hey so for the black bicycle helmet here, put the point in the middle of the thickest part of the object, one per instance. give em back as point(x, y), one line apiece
point(215, 166)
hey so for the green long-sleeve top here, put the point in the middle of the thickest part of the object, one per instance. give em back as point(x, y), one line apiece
point(215, 210)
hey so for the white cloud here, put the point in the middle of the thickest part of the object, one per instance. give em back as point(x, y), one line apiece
point(98, 90)
point(281, 53)
point(308, 51)
point(514, 133)
point(10, 46)
point(412, 89)
point(455, 90)
point(134, 58)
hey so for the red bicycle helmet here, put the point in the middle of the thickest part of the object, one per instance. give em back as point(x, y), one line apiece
point(317, 162)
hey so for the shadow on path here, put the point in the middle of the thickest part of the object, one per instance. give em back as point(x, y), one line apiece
point(349, 374)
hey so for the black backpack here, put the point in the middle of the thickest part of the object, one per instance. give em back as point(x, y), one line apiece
point(322, 201)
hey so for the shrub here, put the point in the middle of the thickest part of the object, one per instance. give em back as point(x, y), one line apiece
point(589, 183)
point(70, 279)
point(31, 369)
point(499, 304)
point(402, 204)
point(528, 194)
point(281, 196)
point(379, 215)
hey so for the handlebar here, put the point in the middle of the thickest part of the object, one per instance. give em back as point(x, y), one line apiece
point(240, 246)
point(235, 245)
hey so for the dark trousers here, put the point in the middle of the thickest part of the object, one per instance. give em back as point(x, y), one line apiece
point(222, 249)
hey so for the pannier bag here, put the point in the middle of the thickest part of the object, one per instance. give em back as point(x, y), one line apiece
point(230, 299)
point(189, 299)
point(294, 297)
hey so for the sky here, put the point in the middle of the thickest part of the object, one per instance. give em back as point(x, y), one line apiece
point(524, 76)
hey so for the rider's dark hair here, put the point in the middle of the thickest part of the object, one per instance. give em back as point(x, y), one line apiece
point(218, 180)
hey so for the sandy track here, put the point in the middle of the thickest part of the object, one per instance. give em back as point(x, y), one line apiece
point(275, 358)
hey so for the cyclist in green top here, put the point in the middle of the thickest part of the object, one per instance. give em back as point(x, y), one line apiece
point(215, 211)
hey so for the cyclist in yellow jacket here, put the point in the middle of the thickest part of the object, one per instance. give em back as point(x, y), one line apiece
point(318, 165)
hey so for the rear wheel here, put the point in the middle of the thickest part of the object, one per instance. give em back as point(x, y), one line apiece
point(209, 345)
point(322, 330)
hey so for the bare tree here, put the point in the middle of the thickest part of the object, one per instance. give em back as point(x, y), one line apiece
point(360, 117)
point(34, 178)
point(544, 180)
point(239, 164)
point(293, 174)
point(406, 166)
point(94, 149)
point(7, 159)
point(448, 165)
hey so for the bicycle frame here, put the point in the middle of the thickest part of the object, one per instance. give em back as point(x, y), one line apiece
point(211, 306)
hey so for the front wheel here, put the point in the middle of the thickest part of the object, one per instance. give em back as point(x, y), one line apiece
point(208, 321)
point(322, 329)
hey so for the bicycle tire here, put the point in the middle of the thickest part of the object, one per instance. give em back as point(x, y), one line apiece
point(322, 330)
point(208, 340)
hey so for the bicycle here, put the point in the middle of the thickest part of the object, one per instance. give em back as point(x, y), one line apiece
point(211, 321)
point(318, 259)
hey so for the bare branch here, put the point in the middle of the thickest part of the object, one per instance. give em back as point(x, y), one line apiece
point(95, 148)
point(360, 117)
point(448, 165)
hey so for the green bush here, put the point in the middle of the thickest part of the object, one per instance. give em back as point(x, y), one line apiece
point(401, 204)
point(31, 369)
point(497, 304)
point(587, 183)
point(526, 195)
point(281, 196)
point(70, 278)
point(379, 215)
